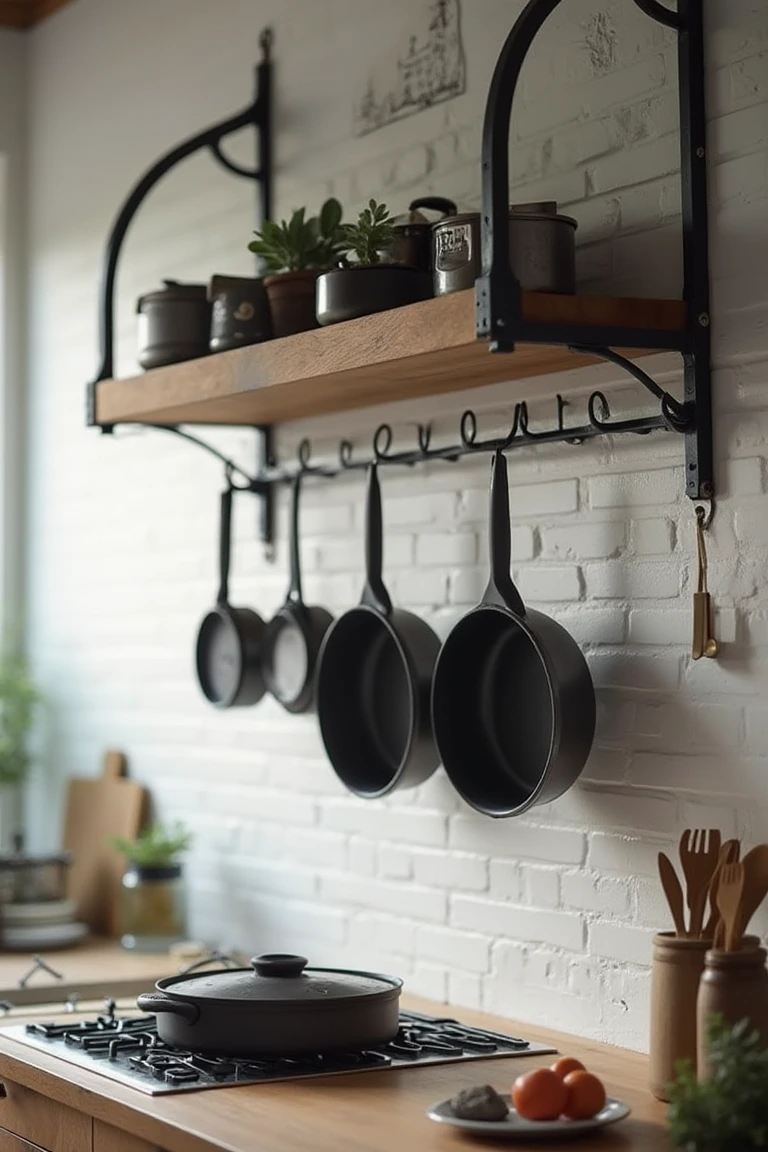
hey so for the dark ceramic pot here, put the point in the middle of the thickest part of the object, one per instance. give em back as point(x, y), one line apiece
point(346, 293)
point(240, 312)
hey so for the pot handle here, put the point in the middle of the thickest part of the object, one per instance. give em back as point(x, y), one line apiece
point(501, 590)
point(436, 203)
point(375, 594)
point(157, 1002)
point(225, 545)
point(294, 581)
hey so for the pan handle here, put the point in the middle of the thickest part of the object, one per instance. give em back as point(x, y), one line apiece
point(500, 588)
point(294, 580)
point(225, 545)
point(375, 595)
point(157, 1002)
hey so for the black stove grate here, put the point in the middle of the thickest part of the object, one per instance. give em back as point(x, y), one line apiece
point(128, 1049)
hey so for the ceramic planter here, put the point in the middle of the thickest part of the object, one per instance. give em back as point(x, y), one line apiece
point(346, 293)
point(292, 301)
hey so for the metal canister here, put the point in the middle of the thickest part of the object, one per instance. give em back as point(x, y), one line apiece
point(542, 249)
point(240, 312)
point(174, 324)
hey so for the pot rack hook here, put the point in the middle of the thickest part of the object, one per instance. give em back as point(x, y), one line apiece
point(705, 512)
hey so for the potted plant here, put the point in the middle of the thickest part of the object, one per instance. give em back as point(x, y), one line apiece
point(19, 698)
point(154, 903)
point(727, 1111)
point(295, 252)
point(371, 284)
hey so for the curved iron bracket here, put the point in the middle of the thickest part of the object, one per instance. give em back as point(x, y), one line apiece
point(258, 114)
point(499, 316)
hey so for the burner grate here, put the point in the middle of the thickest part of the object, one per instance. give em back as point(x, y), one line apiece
point(127, 1049)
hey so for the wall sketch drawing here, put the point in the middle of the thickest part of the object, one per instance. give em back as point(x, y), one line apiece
point(431, 69)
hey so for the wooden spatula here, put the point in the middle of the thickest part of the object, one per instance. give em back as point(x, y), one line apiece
point(729, 892)
point(755, 883)
point(673, 892)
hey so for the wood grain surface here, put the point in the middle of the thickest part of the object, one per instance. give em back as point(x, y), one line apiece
point(372, 1111)
point(51, 1124)
point(424, 349)
point(97, 967)
point(26, 13)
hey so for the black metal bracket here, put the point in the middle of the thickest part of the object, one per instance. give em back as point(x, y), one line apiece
point(498, 296)
point(258, 114)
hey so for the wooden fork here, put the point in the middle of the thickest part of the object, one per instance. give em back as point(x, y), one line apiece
point(699, 852)
point(729, 892)
point(729, 854)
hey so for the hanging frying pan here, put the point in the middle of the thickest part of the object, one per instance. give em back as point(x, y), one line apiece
point(230, 639)
point(293, 637)
point(513, 706)
point(373, 683)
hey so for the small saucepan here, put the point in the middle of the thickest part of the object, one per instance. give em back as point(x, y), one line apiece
point(277, 1007)
point(513, 705)
point(373, 683)
point(229, 643)
point(293, 637)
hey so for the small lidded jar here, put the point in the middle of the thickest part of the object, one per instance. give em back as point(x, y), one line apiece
point(734, 985)
point(154, 907)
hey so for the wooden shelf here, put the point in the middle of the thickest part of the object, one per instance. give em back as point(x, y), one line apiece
point(422, 350)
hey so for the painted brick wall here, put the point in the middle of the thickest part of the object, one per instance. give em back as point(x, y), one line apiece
point(548, 917)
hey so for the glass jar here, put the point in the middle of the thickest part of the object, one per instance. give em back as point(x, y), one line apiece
point(734, 984)
point(154, 907)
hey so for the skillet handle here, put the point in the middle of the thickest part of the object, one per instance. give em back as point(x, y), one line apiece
point(157, 1002)
point(436, 203)
point(501, 590)
point(294, 584)
point(225, 545)
point(375, 595)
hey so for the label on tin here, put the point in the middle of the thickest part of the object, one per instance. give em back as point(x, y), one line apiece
point(453, 247)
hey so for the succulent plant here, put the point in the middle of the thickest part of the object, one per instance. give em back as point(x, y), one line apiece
point(156, 845)
point(301, 243)
point(372, 233)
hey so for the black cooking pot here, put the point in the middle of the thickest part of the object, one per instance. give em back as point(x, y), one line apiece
point(412, 241)
point(373, 681)
point(277, 1007)
point(513, 705)
point(174, 324)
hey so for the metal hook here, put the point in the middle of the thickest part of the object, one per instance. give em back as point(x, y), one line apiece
point(304, 454)
point(705, 512)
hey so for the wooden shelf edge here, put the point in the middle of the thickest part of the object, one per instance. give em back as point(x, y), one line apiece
point(424, 349)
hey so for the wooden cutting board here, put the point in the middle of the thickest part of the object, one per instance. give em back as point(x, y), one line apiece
point(98, 809)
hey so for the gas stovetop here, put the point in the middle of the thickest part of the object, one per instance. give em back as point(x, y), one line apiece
point(128, 1049)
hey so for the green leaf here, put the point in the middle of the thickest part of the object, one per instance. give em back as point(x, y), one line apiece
point(330, 217)
point(156, 844)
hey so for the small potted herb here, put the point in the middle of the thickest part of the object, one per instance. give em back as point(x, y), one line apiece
point(727, 1111)
point(154, 903)
point(19, 700)
point(294, 252)
point(371, 284)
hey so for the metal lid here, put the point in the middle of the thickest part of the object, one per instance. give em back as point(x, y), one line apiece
point(538, 210)
point(281, 979)
point(174, 291)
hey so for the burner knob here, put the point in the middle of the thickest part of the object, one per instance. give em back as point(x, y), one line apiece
point(279, 964)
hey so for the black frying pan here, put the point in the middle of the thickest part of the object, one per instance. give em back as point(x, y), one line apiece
point(293, 637)
point(373, 683)
point(230, 639)
point(513, 706)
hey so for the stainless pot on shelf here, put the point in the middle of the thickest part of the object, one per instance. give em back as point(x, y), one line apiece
point(277, 1007)
point(174, 324)
point(542, 249)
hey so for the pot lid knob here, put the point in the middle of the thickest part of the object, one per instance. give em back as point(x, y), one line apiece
point(279, 964)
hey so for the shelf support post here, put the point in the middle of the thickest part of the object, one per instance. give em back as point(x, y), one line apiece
point(257, 115)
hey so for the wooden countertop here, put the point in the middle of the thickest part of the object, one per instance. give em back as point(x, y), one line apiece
point(371, 1111)
point(95, 968)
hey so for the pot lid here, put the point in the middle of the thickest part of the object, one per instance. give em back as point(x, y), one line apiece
point(415, 216)
point(281, 978)
point(173, 290)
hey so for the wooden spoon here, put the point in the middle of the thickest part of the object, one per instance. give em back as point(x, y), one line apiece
point(729, 892)
point(673, 892)
point(755, 883)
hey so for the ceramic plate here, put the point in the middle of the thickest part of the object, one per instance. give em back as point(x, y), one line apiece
point(40, 937)
point(45, 912)
point(515, 1128)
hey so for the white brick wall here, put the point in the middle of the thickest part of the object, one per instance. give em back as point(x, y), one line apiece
point(547, 918)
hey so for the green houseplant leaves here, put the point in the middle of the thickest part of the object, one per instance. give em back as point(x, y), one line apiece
point(301, 243)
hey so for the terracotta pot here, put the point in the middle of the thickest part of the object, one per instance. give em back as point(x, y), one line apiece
point(735, 984)
point(292, 301)
point(676, 968)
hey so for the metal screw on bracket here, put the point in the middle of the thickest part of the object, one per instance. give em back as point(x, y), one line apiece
point(703, 319)
point(700, 152)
